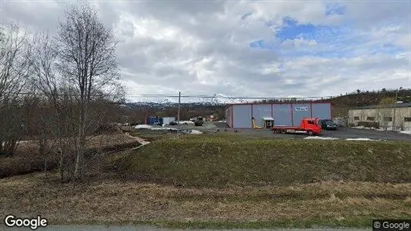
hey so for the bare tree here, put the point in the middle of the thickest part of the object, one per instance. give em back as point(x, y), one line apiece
point(14, 69)
point(38, 116)
point(87, 63)
point(46, 81)
point(14, 61)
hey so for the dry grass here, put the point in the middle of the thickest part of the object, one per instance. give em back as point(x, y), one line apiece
point(255, 187)
point(150, 135)
point(27, 158)
point(109, 140)
point(327, 203)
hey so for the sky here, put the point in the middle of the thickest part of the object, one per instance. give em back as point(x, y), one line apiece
point(247, 48)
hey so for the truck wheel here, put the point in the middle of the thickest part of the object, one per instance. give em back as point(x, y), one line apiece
point(310, 133)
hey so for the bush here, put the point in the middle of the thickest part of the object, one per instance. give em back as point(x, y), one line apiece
point(27, 158)
point(19, 165)
point(107, 129)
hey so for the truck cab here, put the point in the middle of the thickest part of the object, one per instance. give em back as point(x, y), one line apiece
point(311, 126)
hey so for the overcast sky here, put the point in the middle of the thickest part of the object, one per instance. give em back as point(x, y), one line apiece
point(248, 48)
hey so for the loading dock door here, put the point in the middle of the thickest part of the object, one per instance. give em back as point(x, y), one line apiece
point(322, 110)
point(282, 114)
point(242, 116)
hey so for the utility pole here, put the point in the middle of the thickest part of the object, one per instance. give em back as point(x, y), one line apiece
point(394, 128)
point(178, 110)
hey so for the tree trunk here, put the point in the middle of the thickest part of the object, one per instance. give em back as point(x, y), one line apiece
point(42, 151)
point(61, 168)
point(61, 160)
point(80, 146)
point(78, 158)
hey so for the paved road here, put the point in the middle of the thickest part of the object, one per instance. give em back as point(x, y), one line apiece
point(341, 133)
point(150, 228)
point(344, 133)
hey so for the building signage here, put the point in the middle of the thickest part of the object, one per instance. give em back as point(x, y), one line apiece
point(301, 108)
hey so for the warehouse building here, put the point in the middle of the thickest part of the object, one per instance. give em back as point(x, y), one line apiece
point(384, 115)
point(287, 114)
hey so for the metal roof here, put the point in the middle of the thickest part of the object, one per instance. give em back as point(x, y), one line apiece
point(398, 105)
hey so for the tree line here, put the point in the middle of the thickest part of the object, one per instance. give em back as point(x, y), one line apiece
point(57, 90)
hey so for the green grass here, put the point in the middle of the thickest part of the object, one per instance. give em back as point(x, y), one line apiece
point(220, 160)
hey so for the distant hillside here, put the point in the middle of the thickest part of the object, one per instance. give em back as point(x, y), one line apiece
point(341, 104)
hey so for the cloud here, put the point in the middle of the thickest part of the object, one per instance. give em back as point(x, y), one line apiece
point(249, 48)
point(298, 43)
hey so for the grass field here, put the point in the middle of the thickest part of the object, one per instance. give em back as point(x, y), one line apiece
point(228, 181)
point(217, 161)
point(332, 204)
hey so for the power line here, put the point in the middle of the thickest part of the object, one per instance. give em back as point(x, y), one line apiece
point(212, 97)
point(228, 97)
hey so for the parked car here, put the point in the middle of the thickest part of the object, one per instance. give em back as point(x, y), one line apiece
point(199, 121)
point(328, 124)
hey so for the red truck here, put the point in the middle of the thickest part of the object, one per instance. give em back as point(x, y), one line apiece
point(308, 126)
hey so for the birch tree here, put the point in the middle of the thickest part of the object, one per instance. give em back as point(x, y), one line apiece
point(46, 81)
point(87, 64)
point(14, 69)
